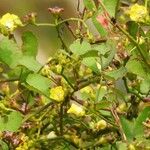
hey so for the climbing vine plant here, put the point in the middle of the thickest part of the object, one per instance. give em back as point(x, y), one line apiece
point(92, 94)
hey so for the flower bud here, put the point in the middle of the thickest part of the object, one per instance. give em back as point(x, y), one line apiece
point(102, 140)
point(131, 147)
point(101, 125)
point(76, 110)
point(30, 18)
point(122, 108)
point(51, 135)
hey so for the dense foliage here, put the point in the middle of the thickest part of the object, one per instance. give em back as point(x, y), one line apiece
point(92, 94)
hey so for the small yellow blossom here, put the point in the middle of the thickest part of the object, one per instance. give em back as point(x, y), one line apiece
point(101, 125)
point(122, 108)
point(51, 135)
point(138, 13)
point(76, 110)
point(102, 140)
point(57, 93)
point(87, 90)
point(9, 22)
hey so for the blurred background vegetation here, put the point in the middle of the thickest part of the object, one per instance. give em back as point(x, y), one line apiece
point(47, 36)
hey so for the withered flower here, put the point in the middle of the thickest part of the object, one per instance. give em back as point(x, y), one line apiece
point(56, 10)
point(30, 18)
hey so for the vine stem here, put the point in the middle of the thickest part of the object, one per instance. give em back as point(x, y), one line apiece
point(61, 119)
point(8, 80)
point(63, 21)
point(37, 112)
point(117, 119)
point(70, 84)
point(146, 3)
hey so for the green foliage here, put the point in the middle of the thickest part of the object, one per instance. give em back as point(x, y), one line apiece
point(117, 74)
point(92, 94)
point(111, 7)
point(138, 127)
point(133, 28)
point(3, 145)
point(30, 44)
point(11, 122)
point(99, 27)
point(30, 63)
point(80, 47)
point(9, 52)
point(89, 4)
point(39, 83)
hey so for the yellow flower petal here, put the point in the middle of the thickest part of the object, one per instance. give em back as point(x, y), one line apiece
point(138, 13)
point(76, 110)
point(9, 22)
point(101, 125)
point(57, 94)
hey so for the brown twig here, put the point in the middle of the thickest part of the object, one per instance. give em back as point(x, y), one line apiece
point(117, 119)
point(8, 80)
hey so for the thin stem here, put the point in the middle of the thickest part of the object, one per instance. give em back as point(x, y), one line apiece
point(45, 24)
point(68, 81)
point(70, 29)
point(78, 6)
point(130, 90)
point(74, 19)
point(61, 119)
point(8, 80)
point(63, 21)
point(38, 111)
point(89, 81)
point(61, 39)
point(146, 3)
point(117, 119)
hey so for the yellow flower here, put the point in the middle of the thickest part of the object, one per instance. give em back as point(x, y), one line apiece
point(101, 125)
point(76, 110)
point(9, 22)
point(138, 13)
point(57, 94)
point(87, 90)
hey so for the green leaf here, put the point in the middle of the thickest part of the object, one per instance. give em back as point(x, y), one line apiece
point(145, 86)
point(127, 128)
point(91, 53)
point(12, 122)
point(111, 6)
point(89, 4)
point(117, 74)
point(137, 67)
point(91, 62)
point(111, 51)
point(3, 145)
point(9, 52)
point(103, 104)
point(39, 83)
point(98, 26)
point(30, 63)
point(80, 48)
point(132, 28)
point(139, 127)
point(30, 44)
point(121, 145)
point(102, 48)
point(100, 93)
